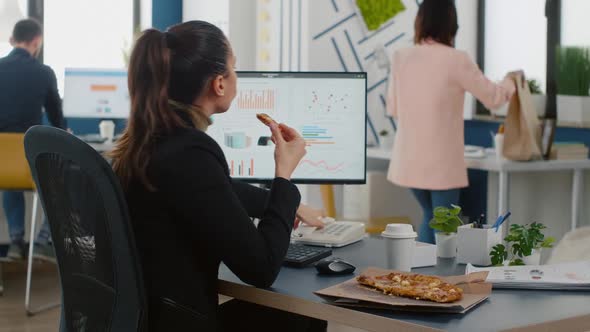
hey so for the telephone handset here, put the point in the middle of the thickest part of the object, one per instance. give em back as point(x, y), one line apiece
point(334, 234)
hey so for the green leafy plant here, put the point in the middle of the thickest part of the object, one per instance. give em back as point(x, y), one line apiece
point(573, 71)
point(498, 254)
point(446, 220)
point(522, 239)
point(534, 87)
point(377, 12)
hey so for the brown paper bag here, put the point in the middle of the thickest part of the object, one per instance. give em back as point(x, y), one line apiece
point(522, 129)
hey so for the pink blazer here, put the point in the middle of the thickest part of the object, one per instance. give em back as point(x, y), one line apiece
point(426, 96)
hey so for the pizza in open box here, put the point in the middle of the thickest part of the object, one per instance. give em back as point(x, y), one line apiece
point(415, 286)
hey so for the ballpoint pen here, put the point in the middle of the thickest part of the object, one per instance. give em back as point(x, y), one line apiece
point(503, 220)
point(498, 220)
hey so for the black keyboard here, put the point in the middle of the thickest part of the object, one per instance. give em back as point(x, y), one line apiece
point(300, 255)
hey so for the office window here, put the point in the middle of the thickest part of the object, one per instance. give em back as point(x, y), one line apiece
point(11, 11)
point(87, 33)
point(575, 27)
point(516, 38)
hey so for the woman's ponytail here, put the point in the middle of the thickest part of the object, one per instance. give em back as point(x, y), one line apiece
point(165, 67)
point(148, 81)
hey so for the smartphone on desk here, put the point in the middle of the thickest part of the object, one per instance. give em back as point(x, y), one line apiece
point(334, 234)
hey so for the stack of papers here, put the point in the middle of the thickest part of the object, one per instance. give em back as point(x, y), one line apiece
point(565, 276)
point(569, 151)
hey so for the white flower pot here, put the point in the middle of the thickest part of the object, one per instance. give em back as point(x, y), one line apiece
point(573, 109)
point(539, 102)
point(533, 259)
point(446, 245)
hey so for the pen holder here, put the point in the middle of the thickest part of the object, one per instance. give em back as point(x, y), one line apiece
point(474, 244)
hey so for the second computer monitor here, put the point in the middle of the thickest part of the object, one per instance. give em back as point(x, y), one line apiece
point(327, 109)
point(96, 93)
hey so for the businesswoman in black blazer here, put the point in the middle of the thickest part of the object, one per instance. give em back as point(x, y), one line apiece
point(188, 215)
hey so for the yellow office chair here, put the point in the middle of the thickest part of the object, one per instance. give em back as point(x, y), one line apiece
point(14, 169)
point(15, 174)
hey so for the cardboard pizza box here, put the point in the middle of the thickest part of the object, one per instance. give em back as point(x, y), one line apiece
point(351, 293)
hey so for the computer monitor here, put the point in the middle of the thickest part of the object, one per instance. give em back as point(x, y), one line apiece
point(327, 109)
point(96, 93)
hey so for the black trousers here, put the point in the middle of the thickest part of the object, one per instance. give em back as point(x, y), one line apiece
point(236, 315)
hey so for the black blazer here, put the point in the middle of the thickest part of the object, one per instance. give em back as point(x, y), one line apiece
point(26, 87)
point(199, 217)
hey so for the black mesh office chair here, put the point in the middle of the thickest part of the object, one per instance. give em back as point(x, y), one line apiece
point(98, 264)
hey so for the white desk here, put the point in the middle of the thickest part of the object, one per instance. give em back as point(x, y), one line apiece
point(102, 147)
point(504, 167)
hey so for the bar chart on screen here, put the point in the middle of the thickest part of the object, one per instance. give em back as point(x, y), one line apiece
point(316, 135)
point(241, 167)
point(256, 99)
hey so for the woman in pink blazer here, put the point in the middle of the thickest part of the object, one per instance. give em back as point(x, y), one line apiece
point(426, 96)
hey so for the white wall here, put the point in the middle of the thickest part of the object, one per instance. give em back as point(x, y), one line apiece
point(215, 12)
point(467, 40)
point(237, 19)
point(242, 32)
point(145, 15)
point(11, 11)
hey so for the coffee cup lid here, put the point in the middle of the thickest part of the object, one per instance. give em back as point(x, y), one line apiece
point(399, 231)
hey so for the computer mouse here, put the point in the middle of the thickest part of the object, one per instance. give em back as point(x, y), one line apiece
point(334, 266)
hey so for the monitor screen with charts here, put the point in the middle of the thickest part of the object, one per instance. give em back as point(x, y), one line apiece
point(327, 109)
point(96, 93)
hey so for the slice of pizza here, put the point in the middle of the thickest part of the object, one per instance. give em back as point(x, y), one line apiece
point(415, 286)
point(265, 118)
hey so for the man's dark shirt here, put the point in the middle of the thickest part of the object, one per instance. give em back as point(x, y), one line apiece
point(26, 87)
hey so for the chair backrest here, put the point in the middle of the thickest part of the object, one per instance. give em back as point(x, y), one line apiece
point(14, 169)
point(96, 254)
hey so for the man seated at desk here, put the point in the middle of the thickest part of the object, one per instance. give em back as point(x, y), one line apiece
point(26, 87)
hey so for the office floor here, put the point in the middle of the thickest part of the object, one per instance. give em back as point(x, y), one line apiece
point(12, 308)
point(46, 289)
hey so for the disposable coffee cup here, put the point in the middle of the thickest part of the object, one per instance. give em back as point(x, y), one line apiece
point(400, 243)
point(107, 130)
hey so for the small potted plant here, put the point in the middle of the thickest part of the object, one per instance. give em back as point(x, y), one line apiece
point(524, 245)
point(445, 222)
point(385, 139)
point(573, 84)
point(537, 96)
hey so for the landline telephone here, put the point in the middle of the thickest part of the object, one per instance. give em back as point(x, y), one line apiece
point(334, 234)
